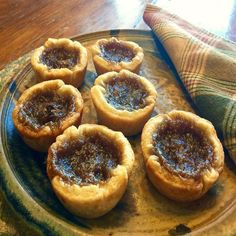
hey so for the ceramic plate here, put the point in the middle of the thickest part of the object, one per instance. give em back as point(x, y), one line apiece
point(142, 210)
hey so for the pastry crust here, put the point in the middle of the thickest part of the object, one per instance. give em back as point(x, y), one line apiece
point(102, 65)
point(92, 200)
point(173, 185)
point(40, 139)
point(73, 76)
point(128, 122)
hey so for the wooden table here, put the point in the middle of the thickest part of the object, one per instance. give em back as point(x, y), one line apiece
point(25, 25)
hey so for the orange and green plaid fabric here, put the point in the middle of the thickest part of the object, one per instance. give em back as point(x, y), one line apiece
point(206, 64)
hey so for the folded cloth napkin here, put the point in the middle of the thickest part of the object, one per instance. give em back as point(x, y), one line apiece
point(206, 64)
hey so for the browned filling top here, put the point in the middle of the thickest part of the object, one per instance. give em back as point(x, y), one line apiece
point(85, 161)
point(116, 52)
point(56, 58)
point(46, 108)
point(125, 94)
point(183, 149)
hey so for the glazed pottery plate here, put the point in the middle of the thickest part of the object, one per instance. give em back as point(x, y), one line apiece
point(142, 210)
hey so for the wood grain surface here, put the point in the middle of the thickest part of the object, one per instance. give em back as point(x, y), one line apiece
point(26, 24)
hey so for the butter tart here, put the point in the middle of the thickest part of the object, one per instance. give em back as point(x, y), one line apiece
point(123, 100)
point(114, 55)
point(182, 154)
point(45, 110)
point(89, 169)
point(60, 59)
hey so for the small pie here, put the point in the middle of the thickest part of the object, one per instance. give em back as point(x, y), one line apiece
point(45, 110)
point(89, 169)
point(182, 154)
point(123, 100)
point(114, 55)
point(60, 59)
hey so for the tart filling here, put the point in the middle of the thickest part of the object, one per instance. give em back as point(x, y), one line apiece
point(182, 154)
point(89, 168)
point(116, 52)
point(85, 161)
point(125, 94)
point(56, 58)
point(60, 59)
point(114, 55)
point(123, 101)
point(182, 148)
point(46, 109)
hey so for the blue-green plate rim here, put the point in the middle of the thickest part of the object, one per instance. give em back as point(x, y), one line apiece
point(12, 195)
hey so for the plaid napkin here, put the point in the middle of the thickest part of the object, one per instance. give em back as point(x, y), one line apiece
point(206, 64)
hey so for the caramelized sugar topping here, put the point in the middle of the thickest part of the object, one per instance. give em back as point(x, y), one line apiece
point(56, 58)
point(46, 108)
point(116, 52)
point(85, 161)
point(183, 149)
point(125, 94)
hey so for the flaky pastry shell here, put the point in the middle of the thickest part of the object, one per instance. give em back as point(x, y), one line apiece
point(128, 122)
point(102, 65)
point(172, 185)
point(93, 200)
point(73, 76)
point(40, 139)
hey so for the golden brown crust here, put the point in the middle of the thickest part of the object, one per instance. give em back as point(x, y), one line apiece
point(42, 138)
point(172, 185)
point(74, 76)
point(102, 66)
point(93, 200)
point(128, 122)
